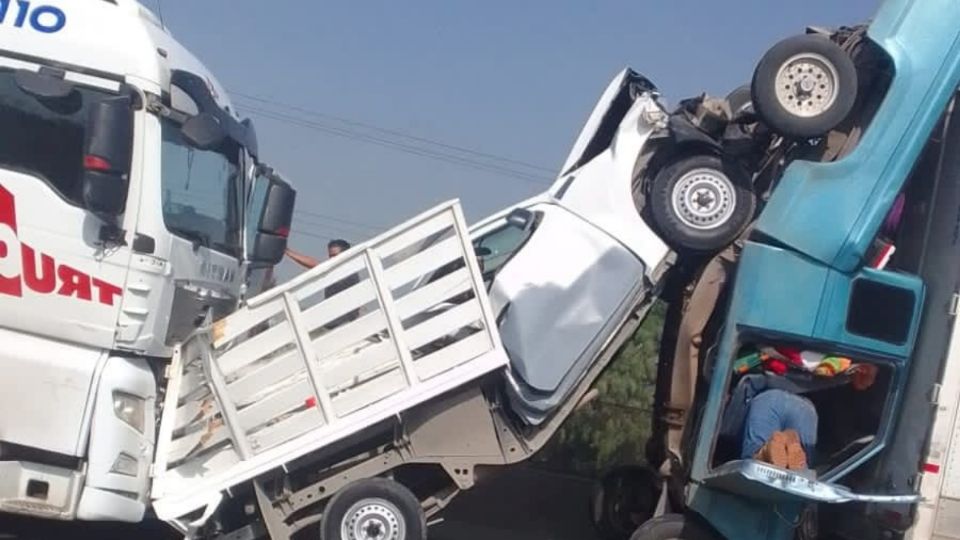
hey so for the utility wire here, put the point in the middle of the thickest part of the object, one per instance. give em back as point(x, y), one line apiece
point(311, 235)
point(335, 219)
point(339, 226)
point(331, 227)
point(298, 224)
point(403, 147)
point(394, 132)
point(396, 145)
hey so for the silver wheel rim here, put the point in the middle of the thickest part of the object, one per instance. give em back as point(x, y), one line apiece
point(373, 519)
point(704, 199)
point(807, 85)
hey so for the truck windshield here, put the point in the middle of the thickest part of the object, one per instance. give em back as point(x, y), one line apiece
point(201, 191)
point(44, 137)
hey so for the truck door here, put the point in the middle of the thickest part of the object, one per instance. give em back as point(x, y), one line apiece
point(56, 270)
point(559, 287)
point(60, 279)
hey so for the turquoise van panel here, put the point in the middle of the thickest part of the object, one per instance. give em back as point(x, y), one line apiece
point(831, 212)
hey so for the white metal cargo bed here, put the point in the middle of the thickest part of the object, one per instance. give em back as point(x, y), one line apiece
point(299, 368)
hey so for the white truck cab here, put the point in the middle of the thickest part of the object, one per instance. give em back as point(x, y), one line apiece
point(125, 223)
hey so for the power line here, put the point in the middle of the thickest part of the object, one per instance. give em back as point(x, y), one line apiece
point(311, 235)
point(396, 145)
point(298, 224)
point(345, 227)
point(335, 219)
point(395, 133)
point(403, 147)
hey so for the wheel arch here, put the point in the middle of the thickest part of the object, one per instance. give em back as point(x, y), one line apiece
point(661, 153)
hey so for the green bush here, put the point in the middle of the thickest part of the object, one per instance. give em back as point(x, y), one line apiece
point(615, 427)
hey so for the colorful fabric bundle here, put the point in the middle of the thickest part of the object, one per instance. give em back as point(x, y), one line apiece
point(748, 363)
point(779, 360)
point(832, 366)
point(760, 361)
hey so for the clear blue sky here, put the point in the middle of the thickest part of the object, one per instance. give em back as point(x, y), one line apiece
point(511, 78)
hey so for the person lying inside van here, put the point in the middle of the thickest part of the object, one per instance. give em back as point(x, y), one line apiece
point(771, 418)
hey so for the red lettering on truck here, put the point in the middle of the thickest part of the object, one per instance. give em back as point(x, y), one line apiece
point(40, 272)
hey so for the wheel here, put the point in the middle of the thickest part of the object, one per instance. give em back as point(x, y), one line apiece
point(804, 86)
point(740, 100)
point(373, 509)
point(672, 527)
point(701, 203)
point(624, 499)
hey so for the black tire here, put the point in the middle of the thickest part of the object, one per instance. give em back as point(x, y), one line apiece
point(831, 71)
point(714, 202)
point(740, 100)
point(398, 508)
point(673, 526)
point(624, 499)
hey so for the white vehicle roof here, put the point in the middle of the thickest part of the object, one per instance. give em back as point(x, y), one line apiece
point(107, 38)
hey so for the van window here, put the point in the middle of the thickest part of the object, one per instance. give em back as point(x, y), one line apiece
point(44, 138)
point(880, 311)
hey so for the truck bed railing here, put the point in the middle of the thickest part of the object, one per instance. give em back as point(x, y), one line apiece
point(381, 328)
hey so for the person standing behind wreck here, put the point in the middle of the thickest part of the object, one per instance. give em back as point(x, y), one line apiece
point(334, 248)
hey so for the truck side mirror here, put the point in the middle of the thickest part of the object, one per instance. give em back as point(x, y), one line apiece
point(204, 131)
point(108, 151)
point(273, 225)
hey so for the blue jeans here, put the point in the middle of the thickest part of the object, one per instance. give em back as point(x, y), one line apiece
point(778, 410)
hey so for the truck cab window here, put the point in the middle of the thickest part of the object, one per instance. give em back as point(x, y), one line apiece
point(44, 137)
point(497, 246)
point(201, 191)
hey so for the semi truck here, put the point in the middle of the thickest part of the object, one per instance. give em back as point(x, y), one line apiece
point(127, 219)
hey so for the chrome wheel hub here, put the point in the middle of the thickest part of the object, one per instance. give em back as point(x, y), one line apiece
point(704, 199)
point(806, 85)
point(373, 519)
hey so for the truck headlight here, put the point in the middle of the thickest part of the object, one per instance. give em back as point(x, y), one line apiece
point(130, 409)
point(125, 465)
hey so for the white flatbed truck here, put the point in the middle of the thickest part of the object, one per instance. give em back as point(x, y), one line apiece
point(272, 410)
